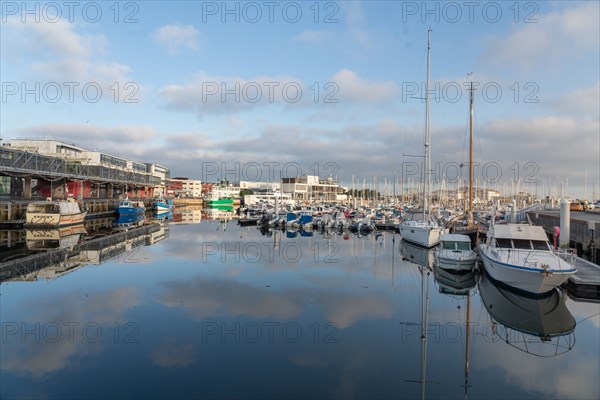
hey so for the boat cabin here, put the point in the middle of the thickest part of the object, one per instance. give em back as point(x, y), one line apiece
point(520, 236)
point(455, 242)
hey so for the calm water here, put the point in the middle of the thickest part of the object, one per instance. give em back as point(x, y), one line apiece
point(214, 310)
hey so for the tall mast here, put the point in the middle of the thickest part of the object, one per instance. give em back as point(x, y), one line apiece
point(471, 154)
point(426, 177)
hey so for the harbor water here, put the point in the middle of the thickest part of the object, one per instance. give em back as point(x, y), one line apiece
point(213, 309)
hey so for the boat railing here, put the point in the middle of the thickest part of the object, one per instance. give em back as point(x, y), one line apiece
point(569, 255)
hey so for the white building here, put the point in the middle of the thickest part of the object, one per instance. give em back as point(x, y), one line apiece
point(260, 186)
point(311, 188)
point(282, 199)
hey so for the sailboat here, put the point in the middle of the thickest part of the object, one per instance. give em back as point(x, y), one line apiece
point(455, 252)
point(421, 227)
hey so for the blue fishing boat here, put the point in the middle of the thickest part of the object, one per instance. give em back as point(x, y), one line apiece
point(128, 207)
point(159, 204)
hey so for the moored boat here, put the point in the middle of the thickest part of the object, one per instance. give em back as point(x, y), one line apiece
point(520, 256)
point(54, 213)
point(215, 198)
point(454, 253)
point(128, 207)
point(159, 204)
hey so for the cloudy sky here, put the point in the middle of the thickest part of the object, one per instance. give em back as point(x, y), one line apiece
point(256, 90)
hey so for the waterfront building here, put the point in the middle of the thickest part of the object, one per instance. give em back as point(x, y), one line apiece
point(312, 188)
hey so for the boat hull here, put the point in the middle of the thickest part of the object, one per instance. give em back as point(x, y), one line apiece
point(160, 207)
point(130, 210)
point(424, 236)
point(530, 280)
point(54, 219)
point(219, 202)
point(455, 260)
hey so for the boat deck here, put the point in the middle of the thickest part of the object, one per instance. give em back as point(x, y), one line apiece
point(585, 283)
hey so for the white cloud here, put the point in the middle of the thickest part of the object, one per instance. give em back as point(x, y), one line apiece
point(353, 88)
point(176, 37)
point(57, 52)
point(583, 101)
point(120, 140)
point(204, 94)
point(558, 37)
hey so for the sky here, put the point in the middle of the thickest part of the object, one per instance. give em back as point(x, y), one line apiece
point(260, 90)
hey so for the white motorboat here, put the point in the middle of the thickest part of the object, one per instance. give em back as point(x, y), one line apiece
point(520, 256)
point(454, 253)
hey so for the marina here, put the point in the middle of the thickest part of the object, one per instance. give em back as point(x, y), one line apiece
point(310, 200)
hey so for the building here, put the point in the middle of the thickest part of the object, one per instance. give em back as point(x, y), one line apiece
point(184, 187)
point(269, 198)
point(79, 158)
point(260, 186)
point(311, 188)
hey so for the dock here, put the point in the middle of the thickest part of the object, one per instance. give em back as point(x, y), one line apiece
point(585, 283)
point(584, 234)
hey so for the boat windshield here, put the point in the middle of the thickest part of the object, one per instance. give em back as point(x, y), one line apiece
point(522, 244)
point(448, 245)
point(463, 246)
point(452, 245)
point(539, 245)
point(504, 243)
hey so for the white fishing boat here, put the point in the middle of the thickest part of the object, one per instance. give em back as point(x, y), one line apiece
point(422, 228)
point(454, 253)
point(54, 213)
point(520, 256)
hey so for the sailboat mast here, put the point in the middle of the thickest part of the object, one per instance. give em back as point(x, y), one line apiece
point(471, 154)
point(427, 166)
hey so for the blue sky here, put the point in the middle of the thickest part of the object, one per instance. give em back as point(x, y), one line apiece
point(172, 58)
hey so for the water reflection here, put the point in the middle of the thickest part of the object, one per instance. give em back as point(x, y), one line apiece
point(225, 305)
point(50, 253)
point(542, 325)
point(416, 254)
point(129, 221)
point(186, 215)
point(423, 260)
point(454, 283)
point(42, 239)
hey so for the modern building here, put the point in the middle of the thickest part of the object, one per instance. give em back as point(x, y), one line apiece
point(311, 188)
point(79, 158)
